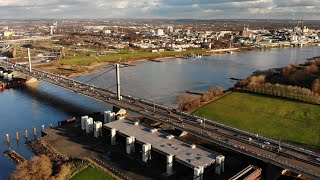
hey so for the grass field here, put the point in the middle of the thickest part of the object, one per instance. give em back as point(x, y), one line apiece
point(123, 56)
point(92, 174)
point(294, 122)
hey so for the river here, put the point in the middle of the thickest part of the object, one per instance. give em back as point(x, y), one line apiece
point(161, 82)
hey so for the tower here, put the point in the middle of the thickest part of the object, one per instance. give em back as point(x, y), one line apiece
point(51, 30)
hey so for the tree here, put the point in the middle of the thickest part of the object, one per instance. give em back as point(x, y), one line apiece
point(298, 76)
point(21, 172)
point(39, 167)
point(63, 173)
point(288, 70)
point(310, 69)
point(258, 79)
point(316, 86)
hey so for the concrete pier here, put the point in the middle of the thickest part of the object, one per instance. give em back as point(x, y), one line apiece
point(169, 164)
point(130, 144)
point(198, 173)
point(219, 166)
point(113, 134)
point(146, 152)
point(17, 136)
point(7, 138)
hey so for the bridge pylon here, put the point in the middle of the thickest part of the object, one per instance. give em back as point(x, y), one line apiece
point(118, 81)
point(29, 57)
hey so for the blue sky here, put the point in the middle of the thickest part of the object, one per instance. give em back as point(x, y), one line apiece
point(168, 9)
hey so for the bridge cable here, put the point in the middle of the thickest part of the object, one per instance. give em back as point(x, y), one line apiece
point(99, 75)
point(111, 86)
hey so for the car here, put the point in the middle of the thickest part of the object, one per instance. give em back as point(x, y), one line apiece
point(318, 159)
point(266, 142)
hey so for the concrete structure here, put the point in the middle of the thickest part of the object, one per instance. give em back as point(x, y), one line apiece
point(89, 125)
point(5, 76)
point(118, 81)
point(83, 122)
point(109, 116)
point(219, 167)
point(130, 144)
point(168, 145)
point(97, 129)
point(169, 164)
point(29, 57)
point(10, 77)
point(198, 173)
point(146, 152)
point(113, 134)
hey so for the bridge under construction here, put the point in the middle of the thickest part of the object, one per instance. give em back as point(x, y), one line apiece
point(280, 154)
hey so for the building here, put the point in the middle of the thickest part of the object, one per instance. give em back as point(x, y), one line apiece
point(159, 32)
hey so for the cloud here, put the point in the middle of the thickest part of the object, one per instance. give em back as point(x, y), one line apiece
point(202, 9)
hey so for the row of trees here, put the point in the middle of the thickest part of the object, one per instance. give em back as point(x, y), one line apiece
point(189, 102)
point(39, 167)
point(298, 73)
point(295, 75)
point(288, 91)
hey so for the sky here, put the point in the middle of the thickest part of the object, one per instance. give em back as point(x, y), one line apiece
point(161, 9)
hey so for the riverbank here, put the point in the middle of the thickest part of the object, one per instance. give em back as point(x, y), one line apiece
point(77, 66)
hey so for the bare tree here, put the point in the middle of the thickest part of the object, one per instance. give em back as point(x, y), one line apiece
point(316, 86)
point(39, 167)
point(288, 70)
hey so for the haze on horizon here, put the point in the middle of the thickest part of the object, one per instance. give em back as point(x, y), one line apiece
point(161, 9)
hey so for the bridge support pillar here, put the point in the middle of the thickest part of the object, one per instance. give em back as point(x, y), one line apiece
point(130, 144)
point(198, 173)
point(146, 152)
point(113, 134)
point(219, 166)
point(169, 164)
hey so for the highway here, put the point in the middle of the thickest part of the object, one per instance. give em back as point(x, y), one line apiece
point(286, 156)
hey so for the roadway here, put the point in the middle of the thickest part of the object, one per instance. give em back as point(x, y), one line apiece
point(286, 156)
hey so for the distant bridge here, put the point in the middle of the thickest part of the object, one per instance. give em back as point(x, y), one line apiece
point(280, 154)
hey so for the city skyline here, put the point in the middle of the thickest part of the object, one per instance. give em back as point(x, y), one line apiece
point(162, 9)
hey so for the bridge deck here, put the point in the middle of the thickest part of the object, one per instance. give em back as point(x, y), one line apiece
point(182, 151)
